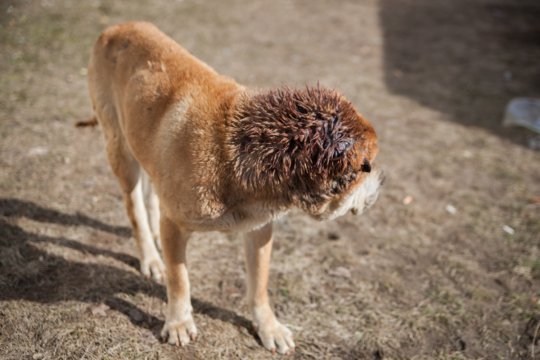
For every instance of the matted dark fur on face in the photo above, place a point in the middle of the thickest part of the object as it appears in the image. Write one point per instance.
(302, 145)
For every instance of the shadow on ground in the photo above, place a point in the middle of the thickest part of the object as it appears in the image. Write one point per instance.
(15, 208)
(464, 58)
(29, 273)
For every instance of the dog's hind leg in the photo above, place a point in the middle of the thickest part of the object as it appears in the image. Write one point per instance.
(258, 247)
(124, 165)
(128, 171)
(151, 264)
(152, 206)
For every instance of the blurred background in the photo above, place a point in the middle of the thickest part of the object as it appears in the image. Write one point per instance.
(445, 266)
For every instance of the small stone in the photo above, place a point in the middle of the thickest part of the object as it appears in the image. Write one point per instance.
(407, 200)
(523, 112)
(38, 151)
(451, 209)
(340, 271)
(507, 229)
(99, 310)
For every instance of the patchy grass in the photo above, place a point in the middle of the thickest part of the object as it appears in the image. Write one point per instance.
(403, 282)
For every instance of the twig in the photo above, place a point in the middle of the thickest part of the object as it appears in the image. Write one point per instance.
(534, 338)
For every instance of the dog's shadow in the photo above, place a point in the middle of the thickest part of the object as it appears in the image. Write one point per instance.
(30, 273)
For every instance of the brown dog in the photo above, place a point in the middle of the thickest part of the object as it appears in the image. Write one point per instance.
(195, 151)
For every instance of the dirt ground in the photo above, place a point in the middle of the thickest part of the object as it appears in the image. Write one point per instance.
(445, 266)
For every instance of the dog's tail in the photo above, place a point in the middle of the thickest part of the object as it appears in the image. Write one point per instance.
(87, 123)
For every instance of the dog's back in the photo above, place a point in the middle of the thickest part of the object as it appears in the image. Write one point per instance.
(153, 99)
(136, 74)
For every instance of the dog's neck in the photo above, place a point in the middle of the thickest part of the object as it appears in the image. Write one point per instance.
(246, 174)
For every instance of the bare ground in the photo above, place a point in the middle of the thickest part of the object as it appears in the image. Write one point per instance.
(404, 281)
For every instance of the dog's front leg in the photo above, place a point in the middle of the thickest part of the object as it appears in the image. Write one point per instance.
(258, 247)
(179, 327)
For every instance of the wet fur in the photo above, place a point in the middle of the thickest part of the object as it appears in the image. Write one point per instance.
(303, 146)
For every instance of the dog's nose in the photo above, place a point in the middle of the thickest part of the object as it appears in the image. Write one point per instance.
(366, 166)
(354, 211)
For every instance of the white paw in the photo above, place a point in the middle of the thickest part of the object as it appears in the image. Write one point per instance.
(153, 267)
(179, 332)
(274, 336)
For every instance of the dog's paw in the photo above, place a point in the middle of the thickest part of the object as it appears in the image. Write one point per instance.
(179, 332)
(153, 268)
(275, 335)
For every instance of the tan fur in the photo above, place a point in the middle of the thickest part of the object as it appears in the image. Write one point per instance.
(169, 118)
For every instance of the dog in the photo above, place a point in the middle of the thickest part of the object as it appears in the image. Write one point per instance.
(195, 151)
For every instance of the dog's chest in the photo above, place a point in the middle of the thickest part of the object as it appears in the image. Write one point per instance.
(237, 219)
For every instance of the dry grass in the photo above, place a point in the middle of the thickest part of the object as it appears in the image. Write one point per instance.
(403, 282)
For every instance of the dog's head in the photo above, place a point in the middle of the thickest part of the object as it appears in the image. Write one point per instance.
(352, 179)
(310, 147)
